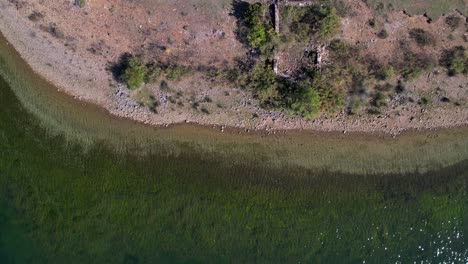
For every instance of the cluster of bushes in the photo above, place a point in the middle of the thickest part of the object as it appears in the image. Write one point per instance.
(369, 83)
(133, 71)
(320, 21)
(414, 65)
(455, 60)
(422, 37)
(255, 30)
(453, 21)
(307, 97)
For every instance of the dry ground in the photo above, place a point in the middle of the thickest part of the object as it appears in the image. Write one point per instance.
(202, 32)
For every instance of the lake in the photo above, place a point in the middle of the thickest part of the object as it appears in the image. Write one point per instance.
(80, 186)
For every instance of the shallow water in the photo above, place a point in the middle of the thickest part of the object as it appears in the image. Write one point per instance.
(79, 186)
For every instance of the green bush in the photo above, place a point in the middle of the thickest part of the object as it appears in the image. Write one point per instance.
(262, 81)
(383, 34)
(307, 22)
(355, 106)
(387, 72)
(253, 24)
(410, 73)
(458, 65)
(453, 21)
(342, 53)
(257, 36)
(332, 97)
(134, 73)
(175, 73)
(329, 24)
(153, 73)
(380, 100)
(424, 100)
(253, 14)
(422, 37)
(455, 60)
(414, 64)
(80, 3)
(301, 98)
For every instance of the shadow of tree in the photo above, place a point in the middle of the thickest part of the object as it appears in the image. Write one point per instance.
(239, 8)
(118, 68)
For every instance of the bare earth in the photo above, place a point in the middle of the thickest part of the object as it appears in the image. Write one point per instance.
(73, 47)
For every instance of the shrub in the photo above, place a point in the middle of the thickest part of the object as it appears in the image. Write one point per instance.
(195, 105)
(424, 100)
(355, 106)
(400, 88)
(455, 60)
(164, 86)
(207, 99)
(253, 26)
(414, 64)
(257, 36)
(134, 73)
(152, 73)
(252, 16)
(80, 3)
(35, 16)
(422, 37)
(262, 81)
(458, 65)
(329, 24)
(314, 19)
(175, 73)
(382, 34)
(145, 98)
(332, 93)
(453, 21)
(373, 111)
(301, 98)
(342, 53)
(410, 73)
(380, 100)
(387, 72)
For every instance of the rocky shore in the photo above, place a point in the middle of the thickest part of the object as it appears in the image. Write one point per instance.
(85, 76)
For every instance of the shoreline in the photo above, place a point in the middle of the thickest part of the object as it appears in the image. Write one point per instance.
(87, 124)
(91, 84)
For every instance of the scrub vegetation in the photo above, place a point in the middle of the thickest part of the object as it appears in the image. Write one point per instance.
(433, 8)
(134, 72)
(455, 60)
(328, 72)
(307, 95)
(80, 3)
(305, 22)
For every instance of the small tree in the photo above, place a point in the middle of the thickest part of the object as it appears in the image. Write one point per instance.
(80, 3)
(455, 60)
(422, 37)
(262, 80)
(329, 24)
(134, 74)
(302, 98)
(257, 36)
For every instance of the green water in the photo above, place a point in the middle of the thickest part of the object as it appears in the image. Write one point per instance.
(78, 186)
